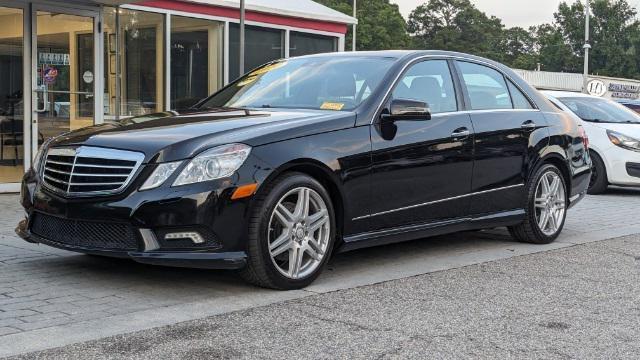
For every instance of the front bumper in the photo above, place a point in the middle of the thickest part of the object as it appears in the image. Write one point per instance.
(622, 166)
(148, 216)
(197, 260)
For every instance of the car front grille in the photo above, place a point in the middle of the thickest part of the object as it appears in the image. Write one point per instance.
(86, 171)
(85, 234)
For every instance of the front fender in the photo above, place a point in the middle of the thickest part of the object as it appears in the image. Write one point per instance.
(341, 158)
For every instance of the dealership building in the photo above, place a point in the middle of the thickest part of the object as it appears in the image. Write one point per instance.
(608, 87)
(69, 64)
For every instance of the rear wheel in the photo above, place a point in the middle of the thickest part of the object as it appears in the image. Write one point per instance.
(599, 180)
(546, 208)
(291, 233)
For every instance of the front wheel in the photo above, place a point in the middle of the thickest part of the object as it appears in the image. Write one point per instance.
(291, 233)
(599, 181)
(546, 209)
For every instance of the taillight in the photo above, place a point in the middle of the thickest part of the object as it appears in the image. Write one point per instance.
(585, 138)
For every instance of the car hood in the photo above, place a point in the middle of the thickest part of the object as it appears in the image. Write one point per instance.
(632, 130)
(174, 135)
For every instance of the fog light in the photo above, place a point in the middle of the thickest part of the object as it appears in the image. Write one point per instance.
(193, 236)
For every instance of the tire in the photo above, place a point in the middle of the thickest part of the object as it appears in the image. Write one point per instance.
(268, 264)
(531, 230)
(599, 180)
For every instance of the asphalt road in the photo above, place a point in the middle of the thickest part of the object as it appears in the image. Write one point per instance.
(578, 302)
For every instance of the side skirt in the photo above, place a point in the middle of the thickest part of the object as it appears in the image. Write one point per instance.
(418, 231)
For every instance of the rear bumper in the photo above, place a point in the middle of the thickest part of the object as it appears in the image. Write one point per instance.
(199, 260)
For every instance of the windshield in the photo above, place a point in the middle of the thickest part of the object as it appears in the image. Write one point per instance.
(326, 83)
(600, 110)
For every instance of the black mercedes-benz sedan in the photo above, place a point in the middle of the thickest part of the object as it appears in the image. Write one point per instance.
(309, 156)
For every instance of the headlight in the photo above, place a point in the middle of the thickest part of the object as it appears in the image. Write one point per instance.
(160, 175)
(624, 141)
(217, 163)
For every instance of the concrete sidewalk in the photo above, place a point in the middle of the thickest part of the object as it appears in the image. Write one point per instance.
(51, 298)
(579, 302)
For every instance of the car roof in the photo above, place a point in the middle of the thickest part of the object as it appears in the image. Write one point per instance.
(397, 54)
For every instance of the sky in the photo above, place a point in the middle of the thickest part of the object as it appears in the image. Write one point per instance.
(522, 13)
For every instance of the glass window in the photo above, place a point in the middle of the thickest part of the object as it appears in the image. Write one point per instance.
(305, 44)
(65, 77)
(135, 62)
(519, 100)
(600, 110)
(429, 82)
(196, 60)
(262, 45)
(486, 87)
(326, 83)
(12, 137)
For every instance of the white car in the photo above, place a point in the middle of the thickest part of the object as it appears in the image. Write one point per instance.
(614, 136)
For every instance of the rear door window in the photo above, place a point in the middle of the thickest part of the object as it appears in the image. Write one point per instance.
(486, 87)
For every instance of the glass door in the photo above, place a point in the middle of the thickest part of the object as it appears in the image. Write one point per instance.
(64, 72)
(12, 96)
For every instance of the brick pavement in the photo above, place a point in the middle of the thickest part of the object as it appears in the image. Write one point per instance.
(41, 287)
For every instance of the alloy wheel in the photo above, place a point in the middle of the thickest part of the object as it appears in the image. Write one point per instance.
(550, 203)
(299, 233)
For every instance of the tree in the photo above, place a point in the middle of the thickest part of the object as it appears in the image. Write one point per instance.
(615, 31)
(554, 53)
(380, 24)
(518, 47)
(456, 25)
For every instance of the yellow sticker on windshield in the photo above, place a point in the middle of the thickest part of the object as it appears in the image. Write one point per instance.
(250, 79)
(265, 69)
(332, 106)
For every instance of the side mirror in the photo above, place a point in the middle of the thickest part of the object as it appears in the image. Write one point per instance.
(407, 110)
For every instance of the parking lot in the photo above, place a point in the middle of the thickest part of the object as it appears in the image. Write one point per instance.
(43, 290)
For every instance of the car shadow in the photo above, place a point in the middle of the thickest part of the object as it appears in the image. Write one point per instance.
(104, 274)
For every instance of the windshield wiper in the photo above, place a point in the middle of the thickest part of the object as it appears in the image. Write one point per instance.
(225, 108)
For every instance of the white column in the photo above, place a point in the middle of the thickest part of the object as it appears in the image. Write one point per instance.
(287, 43)
(167, 62)
(225, 54)
(98, 77)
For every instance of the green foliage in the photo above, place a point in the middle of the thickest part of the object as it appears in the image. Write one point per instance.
(457, 25)
(380, 24)
(454, 25)
(614, 27)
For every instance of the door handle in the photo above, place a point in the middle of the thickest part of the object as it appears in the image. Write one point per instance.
(529, 125)
(461, 133)
(44, 101)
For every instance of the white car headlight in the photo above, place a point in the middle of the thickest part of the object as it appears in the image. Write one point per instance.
(624, 141)
(217, 163)
(160, 175)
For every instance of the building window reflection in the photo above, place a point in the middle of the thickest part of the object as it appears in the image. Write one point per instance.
(262, 45)
(196, 60)
(134, 65)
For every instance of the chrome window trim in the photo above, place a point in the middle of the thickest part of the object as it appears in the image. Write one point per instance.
(96, 153)
(457, 58)
(437, 202)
